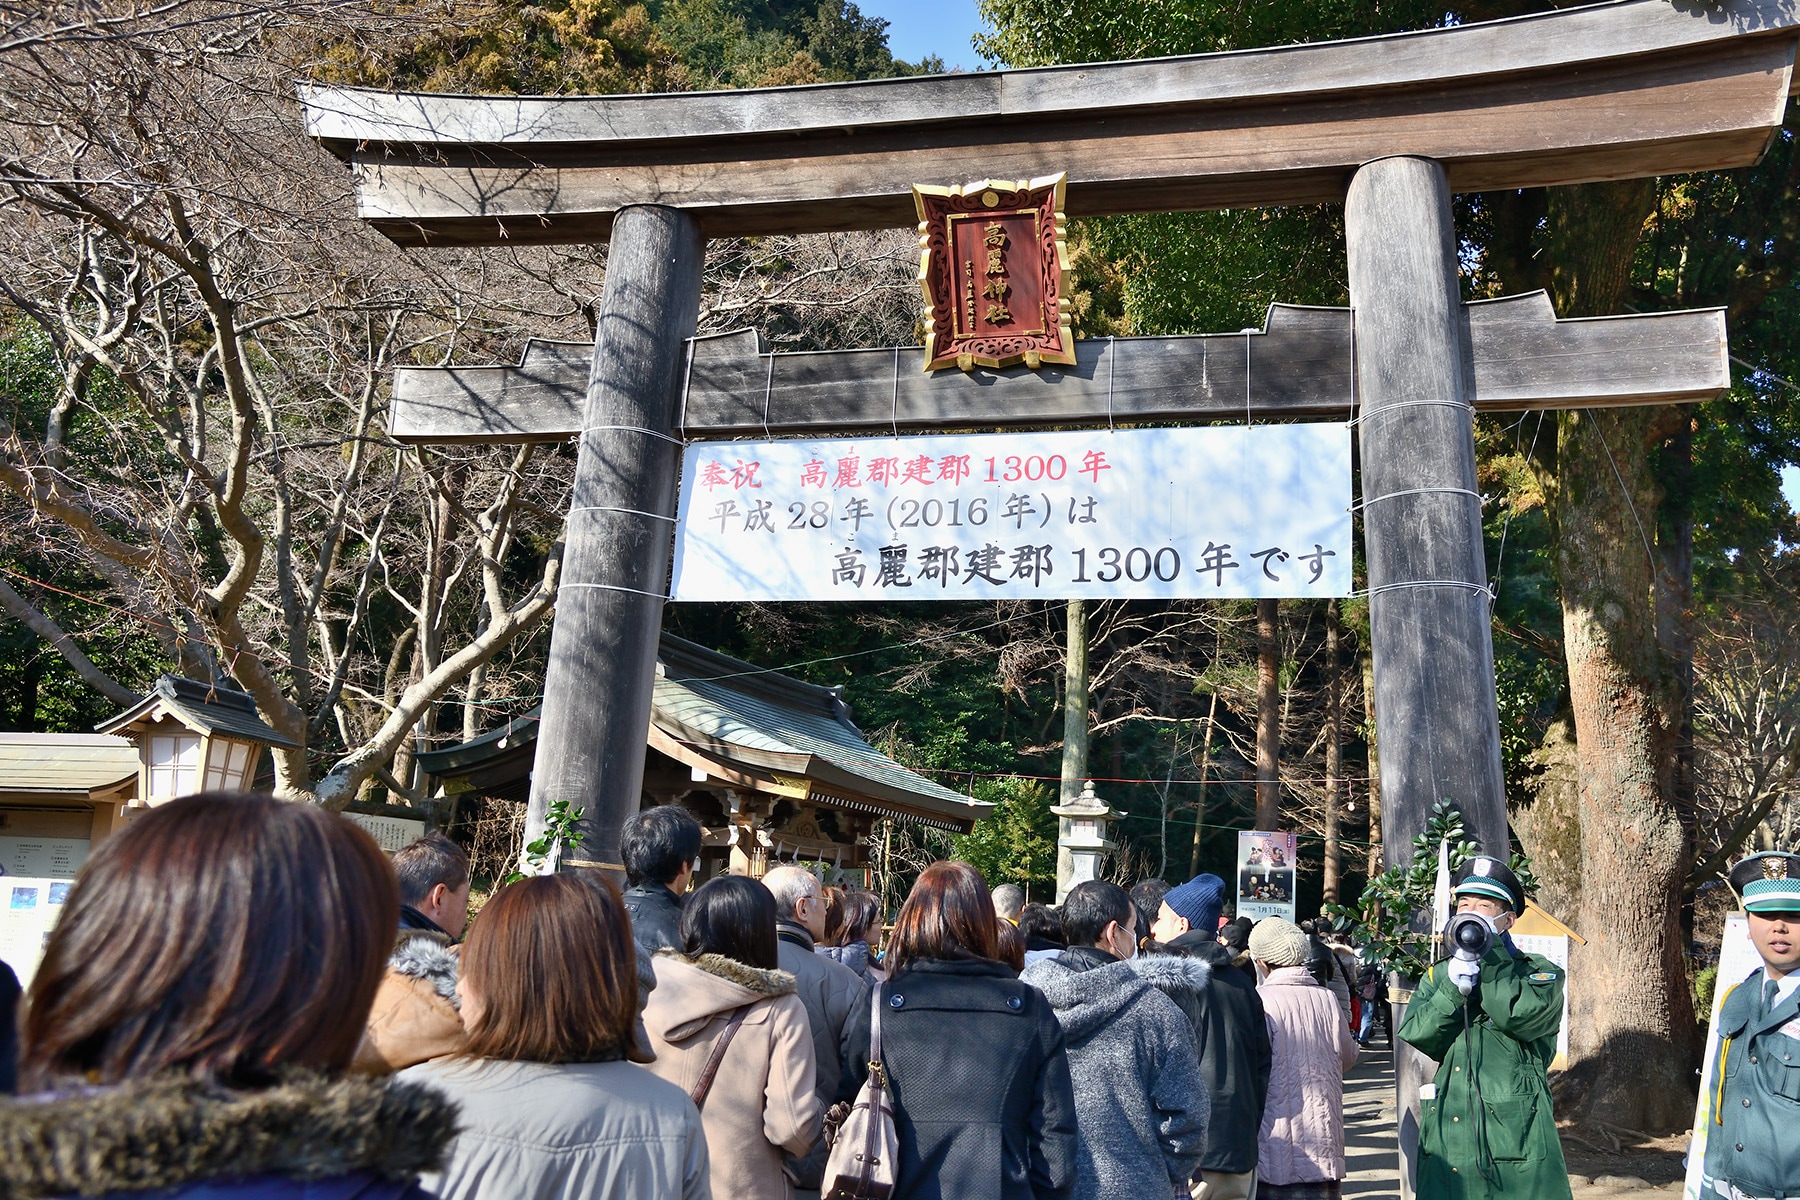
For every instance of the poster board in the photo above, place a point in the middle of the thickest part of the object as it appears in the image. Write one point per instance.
(1265, 874)
(1221, 511)
(1738, 959)
(390, 833)
(29, 908)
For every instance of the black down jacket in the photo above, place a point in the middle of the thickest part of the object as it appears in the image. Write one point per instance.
(1235, 1057)
(980, 1083)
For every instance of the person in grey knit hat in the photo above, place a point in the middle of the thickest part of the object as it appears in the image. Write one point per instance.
(1141, 1104)
(1300, 1151)
(1278, 943)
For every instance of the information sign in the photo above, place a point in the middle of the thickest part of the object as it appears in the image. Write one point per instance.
(1224, 511)
(1265, 874)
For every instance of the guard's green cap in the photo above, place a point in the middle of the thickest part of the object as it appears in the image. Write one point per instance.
(1484, 875)
(1768, 883)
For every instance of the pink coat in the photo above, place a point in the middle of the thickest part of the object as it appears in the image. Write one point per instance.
(1302, 1137)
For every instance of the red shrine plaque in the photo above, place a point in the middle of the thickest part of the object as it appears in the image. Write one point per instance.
(991, 269)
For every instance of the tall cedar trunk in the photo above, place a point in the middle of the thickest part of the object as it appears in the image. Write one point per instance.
(1212, 712)
(1631, 1018)
(1075, 735)
(1675, 617)
(1268, 714)
(1334, 721)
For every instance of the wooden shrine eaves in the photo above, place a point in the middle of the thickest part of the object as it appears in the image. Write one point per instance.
(1609, 91)
(1523, 356)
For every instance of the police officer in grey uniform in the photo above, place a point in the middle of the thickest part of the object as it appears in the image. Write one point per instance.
(1753, 1145)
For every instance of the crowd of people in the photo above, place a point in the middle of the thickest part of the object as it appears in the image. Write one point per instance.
(245, 998)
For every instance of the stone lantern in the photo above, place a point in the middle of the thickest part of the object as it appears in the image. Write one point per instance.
(1083, 825)
(194, 737)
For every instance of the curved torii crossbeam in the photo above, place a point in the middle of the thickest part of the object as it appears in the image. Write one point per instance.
(1608, 91)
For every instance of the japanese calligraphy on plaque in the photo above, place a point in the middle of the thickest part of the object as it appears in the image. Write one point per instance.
(991, 265)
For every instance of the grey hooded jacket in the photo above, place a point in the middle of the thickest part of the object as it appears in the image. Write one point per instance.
(1140, 1102)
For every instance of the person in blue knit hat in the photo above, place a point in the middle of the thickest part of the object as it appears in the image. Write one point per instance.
(1231, 1033)
(1751, 1147)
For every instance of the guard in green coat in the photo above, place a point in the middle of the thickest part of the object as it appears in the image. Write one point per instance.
(1485, 1123)
(1753, 1138)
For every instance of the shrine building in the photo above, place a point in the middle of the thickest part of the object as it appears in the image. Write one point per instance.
(774, 768)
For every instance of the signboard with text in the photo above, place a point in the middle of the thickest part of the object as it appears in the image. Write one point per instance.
(1225, 511)
(1265, 874)
(991, 267)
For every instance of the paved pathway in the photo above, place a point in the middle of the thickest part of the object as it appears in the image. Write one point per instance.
(1371, 1153)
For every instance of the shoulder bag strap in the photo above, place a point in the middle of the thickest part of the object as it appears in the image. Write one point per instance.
(875, 1030)
(717, 1056)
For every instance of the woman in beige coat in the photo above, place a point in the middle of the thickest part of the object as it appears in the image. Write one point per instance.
(759, 1102)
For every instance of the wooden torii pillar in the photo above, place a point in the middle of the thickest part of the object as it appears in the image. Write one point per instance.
(1391, 126)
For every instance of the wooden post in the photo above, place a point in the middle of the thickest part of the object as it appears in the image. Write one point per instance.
(616, 549)
(1075, 738)
(1435, 705)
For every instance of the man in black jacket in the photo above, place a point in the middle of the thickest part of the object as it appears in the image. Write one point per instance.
(659, 847)
(1232, 1036)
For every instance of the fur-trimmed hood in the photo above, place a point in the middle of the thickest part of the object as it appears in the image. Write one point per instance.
(692, 991)
(1087, 998)
(173, 1132)
(429, 957)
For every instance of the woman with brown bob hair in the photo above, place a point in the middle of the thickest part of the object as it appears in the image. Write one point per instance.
(858, 935)
(975, 1060)
(551, 1107)
(198, 1003)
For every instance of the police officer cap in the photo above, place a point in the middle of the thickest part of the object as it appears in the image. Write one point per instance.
(1486, 876)
(1769, 882)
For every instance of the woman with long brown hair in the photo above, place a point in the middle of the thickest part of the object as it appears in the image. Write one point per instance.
(974, 1058)
(198, 1004)
(551, 1107)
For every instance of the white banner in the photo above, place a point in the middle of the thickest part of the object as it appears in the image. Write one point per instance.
(1140, 513)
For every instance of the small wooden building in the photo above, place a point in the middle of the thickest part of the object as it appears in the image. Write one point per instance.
(59, 794)
(774, 768)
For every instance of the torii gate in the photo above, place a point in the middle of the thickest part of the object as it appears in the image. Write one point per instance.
(1389, 126)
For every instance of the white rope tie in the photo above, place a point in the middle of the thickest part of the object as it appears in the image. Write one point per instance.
(1247, 420)
(1424, 491)
(1367, 413)
(631, 511)
(894, 416)
(673, 441)
(687, 382)
(613, 587)
(1112, 370)
(768, 391)
(1485, 589)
